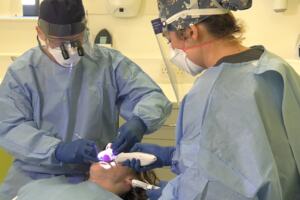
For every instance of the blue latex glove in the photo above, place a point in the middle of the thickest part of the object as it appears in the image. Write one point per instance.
(129, 133)
(156, 193)
(163, 154)
(81, 151)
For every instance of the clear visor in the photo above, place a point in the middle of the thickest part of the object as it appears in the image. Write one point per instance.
(180, 81)
(65, 30)
(55, 42)
(68, 45)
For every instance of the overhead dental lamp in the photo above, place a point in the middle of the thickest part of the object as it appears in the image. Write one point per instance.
(123, 8)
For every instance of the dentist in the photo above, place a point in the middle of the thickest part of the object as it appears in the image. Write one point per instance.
(61, 101)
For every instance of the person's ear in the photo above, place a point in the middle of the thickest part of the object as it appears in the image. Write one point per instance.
(127, 183)
(40, 33)
(194, 32)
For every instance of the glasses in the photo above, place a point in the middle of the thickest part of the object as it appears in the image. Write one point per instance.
(54, 42)
(66, 43)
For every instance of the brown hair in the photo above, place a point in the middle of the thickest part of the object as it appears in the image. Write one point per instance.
(221, 26)
(139, 193)
(224, 26)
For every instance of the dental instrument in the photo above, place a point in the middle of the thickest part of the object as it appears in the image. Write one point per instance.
(108, 156)
(145, 158)
(143, 185)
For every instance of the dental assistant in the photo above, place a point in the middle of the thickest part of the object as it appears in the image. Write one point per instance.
(237, 135)
(61, 101)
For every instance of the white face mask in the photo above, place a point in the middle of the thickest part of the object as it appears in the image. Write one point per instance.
(180, 59)
(73, 54)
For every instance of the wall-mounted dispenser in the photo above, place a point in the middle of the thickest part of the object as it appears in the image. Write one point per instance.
(104, 38)
(280, 5)
(123, 8)
(298, 47)
(31, 7)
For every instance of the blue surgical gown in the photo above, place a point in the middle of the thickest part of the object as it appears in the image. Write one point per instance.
(59, 188)
(43, 104)
(238, 134)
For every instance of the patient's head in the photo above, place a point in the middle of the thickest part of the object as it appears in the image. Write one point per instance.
(117, 179)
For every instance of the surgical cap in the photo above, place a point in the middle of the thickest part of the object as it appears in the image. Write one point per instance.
(62, 17)
(168, 8)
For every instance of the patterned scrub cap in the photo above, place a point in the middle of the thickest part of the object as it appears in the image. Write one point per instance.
(179, 14)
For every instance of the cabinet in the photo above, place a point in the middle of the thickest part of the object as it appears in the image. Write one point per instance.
(6, 161)
(165, 136)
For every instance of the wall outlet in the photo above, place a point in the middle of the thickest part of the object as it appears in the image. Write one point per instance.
(164, 69)
(280, 5)
(298, 47)
(177, 70)
(179, 77)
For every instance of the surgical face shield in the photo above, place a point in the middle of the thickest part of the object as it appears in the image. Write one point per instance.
(180, 21)
(180, 81)
(60, 37)
(64, 45)
(88, 49)
(58, 30)
(67, 53)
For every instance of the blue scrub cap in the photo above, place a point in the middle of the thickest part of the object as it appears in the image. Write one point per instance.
(62, 12)
(62, 17)
(179, 14)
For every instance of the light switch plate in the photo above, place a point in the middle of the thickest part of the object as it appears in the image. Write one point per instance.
(297, 47)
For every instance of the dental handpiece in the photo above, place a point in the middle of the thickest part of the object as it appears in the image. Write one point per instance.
(108, 156)
(143, 185)
(145, 158)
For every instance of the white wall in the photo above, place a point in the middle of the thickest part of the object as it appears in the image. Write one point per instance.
(277, 31)
(134, 37)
